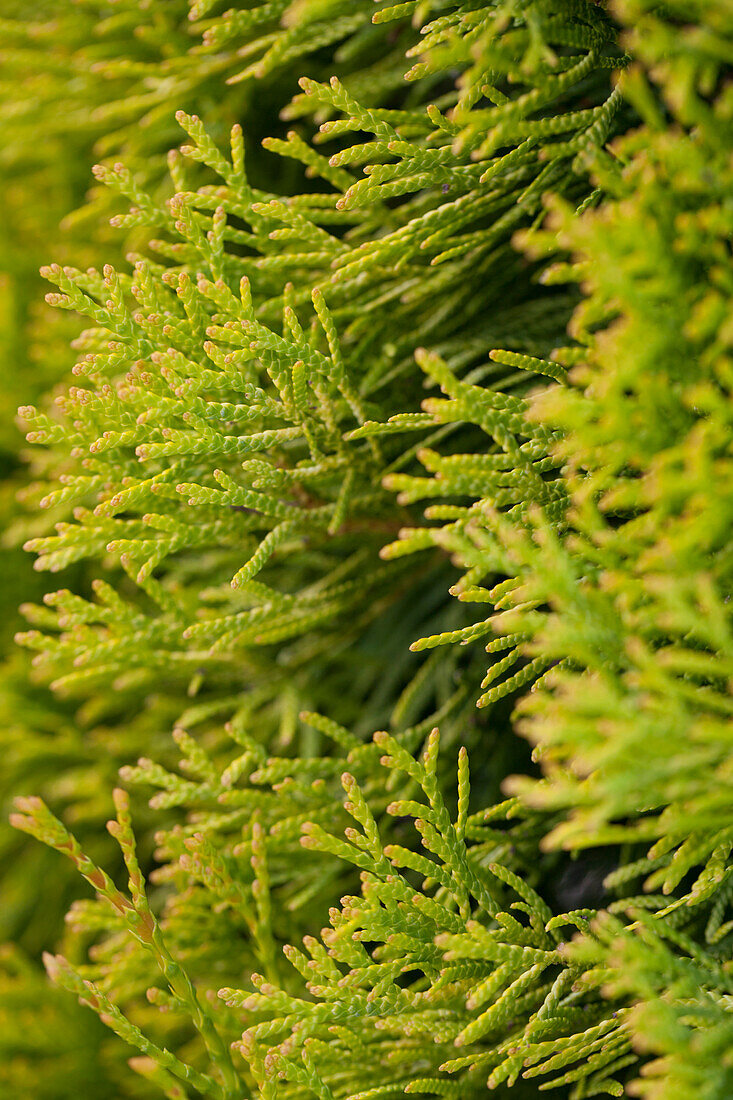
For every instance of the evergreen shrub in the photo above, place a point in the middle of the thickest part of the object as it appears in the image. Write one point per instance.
(390, 492)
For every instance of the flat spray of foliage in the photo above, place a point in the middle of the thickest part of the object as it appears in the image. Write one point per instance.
(396, 434)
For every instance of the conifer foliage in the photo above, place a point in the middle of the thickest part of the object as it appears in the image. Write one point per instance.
(400, 439)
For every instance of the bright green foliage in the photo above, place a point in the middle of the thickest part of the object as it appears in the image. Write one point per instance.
(482, 357)
(102, 81)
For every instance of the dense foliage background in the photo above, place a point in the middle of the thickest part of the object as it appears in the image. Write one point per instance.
(378, 426)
